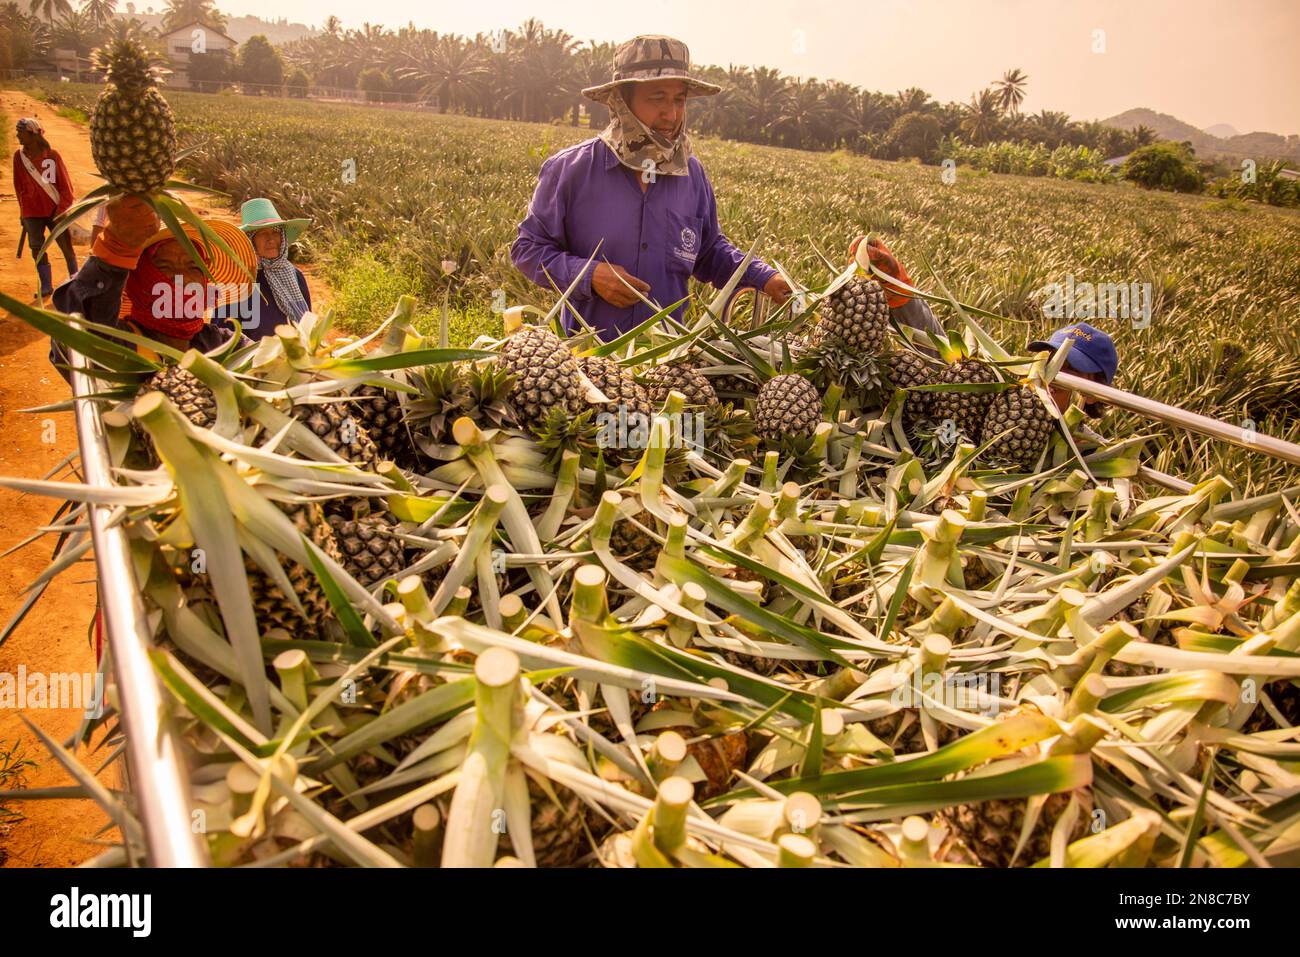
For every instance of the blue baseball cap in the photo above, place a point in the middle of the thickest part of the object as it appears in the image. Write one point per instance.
(1093, 350)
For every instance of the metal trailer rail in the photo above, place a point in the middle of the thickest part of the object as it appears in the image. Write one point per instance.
(1188, 421)
(157, 773)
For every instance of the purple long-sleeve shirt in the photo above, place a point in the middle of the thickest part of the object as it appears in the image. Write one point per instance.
(663, 236)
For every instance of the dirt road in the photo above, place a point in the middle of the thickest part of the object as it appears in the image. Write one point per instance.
(54, 638)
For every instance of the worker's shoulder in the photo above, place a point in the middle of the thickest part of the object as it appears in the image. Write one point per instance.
(577, 155)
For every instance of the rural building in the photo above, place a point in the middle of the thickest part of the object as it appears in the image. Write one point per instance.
(180, 44)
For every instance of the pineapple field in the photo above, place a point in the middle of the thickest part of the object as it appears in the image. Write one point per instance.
(396, 195)
(438, 584)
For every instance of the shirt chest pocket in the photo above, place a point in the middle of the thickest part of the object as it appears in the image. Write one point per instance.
(685, 237)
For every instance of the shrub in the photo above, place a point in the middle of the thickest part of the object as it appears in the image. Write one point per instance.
(1166, 165)
(297, 83)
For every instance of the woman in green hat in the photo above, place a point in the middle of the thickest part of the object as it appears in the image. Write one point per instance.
(281, 294)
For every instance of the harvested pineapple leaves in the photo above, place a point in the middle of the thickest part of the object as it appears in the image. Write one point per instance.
(668, 653)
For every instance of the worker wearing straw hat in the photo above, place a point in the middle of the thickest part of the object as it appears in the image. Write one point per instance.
(637, 198)
(281, 294)
(140, 279)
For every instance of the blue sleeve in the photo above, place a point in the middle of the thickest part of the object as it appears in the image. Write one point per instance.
(718, 256)
(540, 250)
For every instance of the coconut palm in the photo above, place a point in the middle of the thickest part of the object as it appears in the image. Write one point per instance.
(913, 100)
(47, 10)
(101, 12)
(982, 122)
(181, 12)
(592, 65)
(1143, 135)
(1011, 90)
(76, 31)
(1051, 127)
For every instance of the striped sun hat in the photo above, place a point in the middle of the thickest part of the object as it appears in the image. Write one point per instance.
(227, 271)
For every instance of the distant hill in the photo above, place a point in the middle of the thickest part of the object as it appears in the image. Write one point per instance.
(241, 28)
(1257, 145)
(1222, 130)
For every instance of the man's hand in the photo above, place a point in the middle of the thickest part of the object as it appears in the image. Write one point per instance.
(605, 282)
(778, 290)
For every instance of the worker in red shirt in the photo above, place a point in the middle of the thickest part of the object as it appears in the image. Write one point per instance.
(44, 191)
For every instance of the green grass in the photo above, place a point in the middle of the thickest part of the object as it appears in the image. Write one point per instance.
(430, 188)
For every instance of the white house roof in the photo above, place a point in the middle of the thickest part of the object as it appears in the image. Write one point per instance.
(185, 28)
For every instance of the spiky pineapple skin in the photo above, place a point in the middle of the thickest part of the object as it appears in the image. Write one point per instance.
(339, 426)
(857, 317)
(371, 546)
(990, 830)
(194, 399)
(907, 370)
(132, 130)
(379, 412)
(545, 376)
(787, 405)
(619, 386)
(966, 410)
(1030, 423)
(683, 378)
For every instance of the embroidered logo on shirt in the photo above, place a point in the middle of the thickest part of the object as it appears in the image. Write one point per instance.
(688, 239)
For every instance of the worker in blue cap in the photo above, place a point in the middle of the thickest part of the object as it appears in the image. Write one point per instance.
(1092, 356)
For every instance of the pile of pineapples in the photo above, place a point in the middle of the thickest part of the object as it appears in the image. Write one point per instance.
(413, 605)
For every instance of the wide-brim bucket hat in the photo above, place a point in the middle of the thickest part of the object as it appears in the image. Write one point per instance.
(233, 275)
(261, 213)
(647, 58)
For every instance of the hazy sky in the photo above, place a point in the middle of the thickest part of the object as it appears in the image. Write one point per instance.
(1231, 61)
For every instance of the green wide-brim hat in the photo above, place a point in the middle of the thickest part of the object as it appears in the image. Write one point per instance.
(261, 213)
(647, 58)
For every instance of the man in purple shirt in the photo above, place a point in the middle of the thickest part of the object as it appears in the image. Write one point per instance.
(638, 193)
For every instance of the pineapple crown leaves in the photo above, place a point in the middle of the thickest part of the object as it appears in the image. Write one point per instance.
(128, 64)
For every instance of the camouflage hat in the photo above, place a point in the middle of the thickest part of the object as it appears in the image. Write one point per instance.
(652, 58)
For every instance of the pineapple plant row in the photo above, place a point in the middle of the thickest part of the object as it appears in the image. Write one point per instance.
(447, 608)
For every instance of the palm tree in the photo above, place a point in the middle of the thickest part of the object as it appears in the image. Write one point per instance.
(764, 102)
(447, 68)
(48, 9)
(802, 122)
(181, 12)
(592, 66)
(101, 12)
(913, 100)
(983, 117)
(1051, 127)
(1143, 135)
(1011, 90)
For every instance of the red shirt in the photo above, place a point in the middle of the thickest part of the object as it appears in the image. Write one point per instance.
(33, 201)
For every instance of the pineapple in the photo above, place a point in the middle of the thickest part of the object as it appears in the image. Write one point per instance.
(1286, 698)
(337, 427)
(1031, 424)
(132, 132)
(546, 376)
(372, 549)
(379, 412)
(787, 406)
(991, 830)
(682, 378)
(633, 544)
(966, 410)
(194, 399)
(559, 826)
(270, 606)
(902, 732)
(906, 370)
(621, 389)
(449, 390)
(858, 318)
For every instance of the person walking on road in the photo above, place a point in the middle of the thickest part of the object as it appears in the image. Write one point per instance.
(44, 191)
